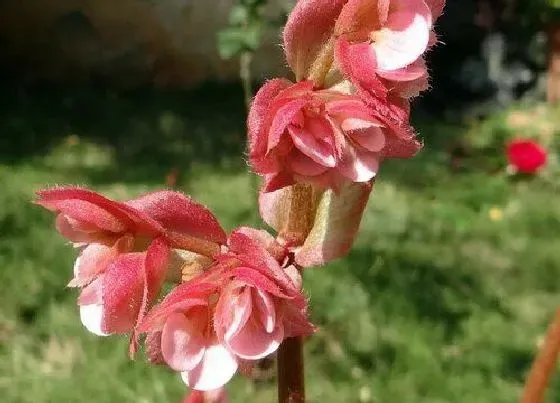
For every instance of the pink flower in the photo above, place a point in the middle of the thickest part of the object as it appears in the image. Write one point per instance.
(240, 308)
(260, 303)
(526, 156)
(181, 327)
(378, 44)
(126, 248)
(322, 137)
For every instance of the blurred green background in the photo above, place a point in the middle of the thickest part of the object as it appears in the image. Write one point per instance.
(445, 297)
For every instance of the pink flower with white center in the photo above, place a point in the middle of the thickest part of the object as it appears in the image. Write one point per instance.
(240, 308)
(378, 44)
(321, 137)
(261, 303)
(126, 248)
(181, 328)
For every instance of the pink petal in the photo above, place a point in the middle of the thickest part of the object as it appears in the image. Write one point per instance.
(216, 368)
(277, 181)
(303, 165)
(239, 311)
(258, 139)
(406, 37)
(308, 31)
(254, 255)
(182, 342)
(182, 298)
(253, 343)
(181, 215)
(414, 71)
(260, 336)
(284, 116)
(264, 305)
(359, 165)
(92, 318)
(153, 348)
(315, 149)
(360, 63)
(95, 258)
(372, 139)
(93, 209)
(123, 290)
(156, 260)
(336, 224)
(360, 17)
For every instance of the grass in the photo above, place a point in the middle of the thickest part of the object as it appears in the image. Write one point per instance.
(444, 298)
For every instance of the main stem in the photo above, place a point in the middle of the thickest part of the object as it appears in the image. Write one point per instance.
(291, 383)
(544, 365)
(299, 218)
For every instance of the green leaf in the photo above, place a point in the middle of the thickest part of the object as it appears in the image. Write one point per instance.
(236, 40)
(238, 15)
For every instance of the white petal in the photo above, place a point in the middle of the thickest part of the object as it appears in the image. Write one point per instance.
(216, 368)
(92, 318)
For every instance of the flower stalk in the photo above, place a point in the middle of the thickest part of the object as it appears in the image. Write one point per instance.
(290, 367)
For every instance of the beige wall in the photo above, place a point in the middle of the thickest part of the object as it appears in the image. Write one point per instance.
(170, 41)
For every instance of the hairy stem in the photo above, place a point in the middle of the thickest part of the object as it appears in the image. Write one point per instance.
(544, 365)
(291, 385)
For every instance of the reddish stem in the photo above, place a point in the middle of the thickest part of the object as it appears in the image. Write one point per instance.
(291, 384)
(544, 365)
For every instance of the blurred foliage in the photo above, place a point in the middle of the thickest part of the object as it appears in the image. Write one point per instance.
(247, 24)
(485, 140)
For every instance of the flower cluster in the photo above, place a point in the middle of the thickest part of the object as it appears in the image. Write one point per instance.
(357, 64)
(318, 144)
(239, 296)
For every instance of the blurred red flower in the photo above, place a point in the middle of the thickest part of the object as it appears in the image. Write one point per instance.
(526, 156)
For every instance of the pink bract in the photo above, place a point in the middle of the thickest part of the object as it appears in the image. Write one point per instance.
(321, 137)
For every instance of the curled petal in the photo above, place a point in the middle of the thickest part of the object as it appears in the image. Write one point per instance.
(182, 298)
(181, 215)
(92, 318)
(302, 165)
(359, 165)
(258, 114)
(95, 258)
(216, 368)
(372, 139)
(90, 208)
(182, 342)
(406, 37)
(317, 150)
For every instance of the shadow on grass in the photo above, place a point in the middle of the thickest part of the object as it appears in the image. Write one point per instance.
(445, 295)
(150, 131)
